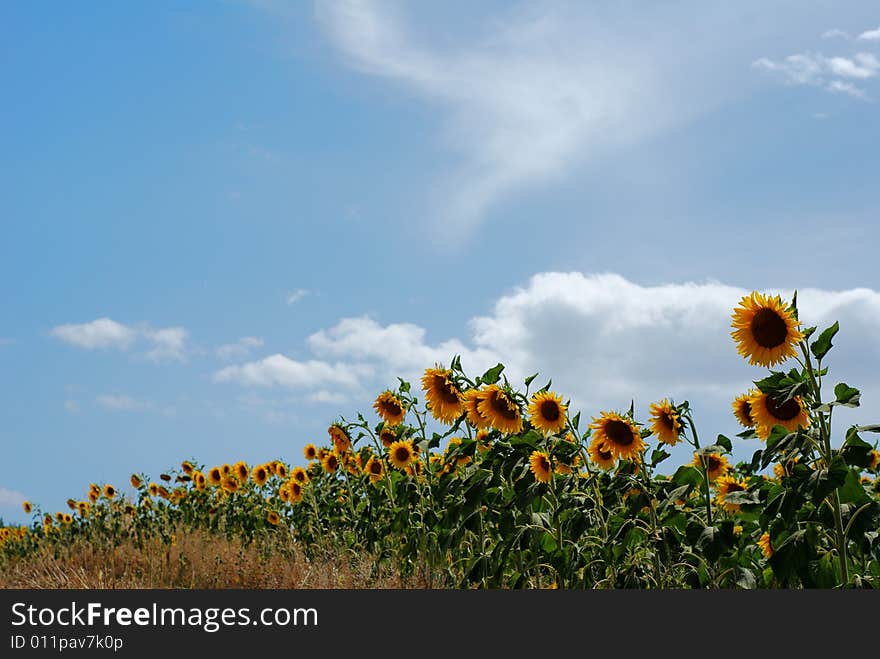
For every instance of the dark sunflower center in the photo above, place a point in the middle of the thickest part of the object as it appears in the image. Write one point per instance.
(550, 410)
(735, 487)
(402, 454)
(502, 405)
(376, 468)
(333, 463)
(544, 464)
(785, 412)
(605, 455)
(446, 389)
(619, 432)
(391, 408)
(769, 329)
(667, 420)
(746, 410)
(712, 463)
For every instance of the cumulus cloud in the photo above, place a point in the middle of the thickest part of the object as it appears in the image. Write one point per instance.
(240, 349)
(870, 35)
(280, 370)
(163, 344)
(10, 498)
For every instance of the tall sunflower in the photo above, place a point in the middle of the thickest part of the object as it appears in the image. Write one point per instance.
(273, 518)
(375, 469)
(109, 491)
(330, 463)
(620, 435)
(387, 435)
(471, 400)
(873, 460)
(199, 480)
(296, 492)
(715, 463)
(539, 463)
(215, 475)
(229, 484)
(136, 481)
(242, 471)
(600, 454)
(340, 438)
(390, 408)
(547, 412)
(299, 475)
(444, 398)
(666, 422)
(765, 329)
(27, 507)
(310, 452)
(401, 453)
(501, 410)
(724, 485)
(742, 409)
(766, 413)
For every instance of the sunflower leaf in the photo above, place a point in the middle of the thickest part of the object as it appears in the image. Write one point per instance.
(745, 579)
(846, 395)
(531, 379)
(725, 442)
(658, 455)
(822, 345)
(491, 376)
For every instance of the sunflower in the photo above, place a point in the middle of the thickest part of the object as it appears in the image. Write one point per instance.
(94, 495)
(452, 445)
(330, 463)
(284, 492)
(375, 469)
(59, 516)
(764, 544)
(765, 330)
(299, 475)
(241, 471)
(444, 398)
(471, 401)
(716, 465)
(310, 452)
(260, 475)
(341, 440)
(164, 493)
(767, 413)
(273, 518)
(296, 492)
(199, 480)
(387, 436)
(215, 475)
(67, 518)
(27, 507)
(742, 409)
(620, 435)
(401, 453)
(230, 484)
(136, 481)
(415, 468)
(484, 443)
(539, 463)
(187, 467)
(562, 469)
(225, 468)
(279, 468)
(547, 412)
(665, 422)
(389, 407)
(873, 460)
(601, 455)
(153, 489)
(724, 485)
(500, 409)
(109, 491)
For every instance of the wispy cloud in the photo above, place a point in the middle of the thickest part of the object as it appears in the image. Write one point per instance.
(10, 498)
(163, 344)
(870, 35)
(240, 349)
(71, 406)
(295, 296)
(122, 402)
(281, 370)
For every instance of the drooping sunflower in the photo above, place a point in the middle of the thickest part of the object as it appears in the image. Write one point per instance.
(260, 475)
(444, 398)
(619, 434)
(229, 484)
(330, 463)
(375, 469)
(666, 422)
(71, 503)
(601, 455)
(387, 436)
(164, 493)
(742, 409)
(339, 437)
(136, 481)
(299, 475)
(765, 329)
(27, 507)
(199, 480)
(273, 518)
(279, 469)
(767, 413)
(390, 408)
(501, 410)
(724, 485)
(241, 470)
(401, 453)
(715, 463)
(215, 475)
(764, 544)
(539, 463)
(109, 491)
(187, 467)
(471, 401)
(547, 412)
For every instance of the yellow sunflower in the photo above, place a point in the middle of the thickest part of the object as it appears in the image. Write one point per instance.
(83, 508)
(230, 484)
(310, 452)
(273, 518)
(484, 443)
(260, 475)
(27, 507)
(715, 463)
(390, 408)
(279, 468)
(665, 422)
(620, 435)
(67, 519)
(330, 463)
(501, 410)
(600, 454)
(339, 437)
(471, 401)
(444, 398)
(742, 409)
(136, 481)
(547, 412)
(767, 413)
(764, 544)
(109, 491)
(387, 436)
(874, 460)
(187, 467)
(401, 453)
(296, 492)
(375, 469)
(241, 471)
(765, 329)
(539, 463)
(199, 480)
(724, 485)
(215, 475)
(299, 475)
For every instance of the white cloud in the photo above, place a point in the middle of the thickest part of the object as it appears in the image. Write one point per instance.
(323, 396)
(169, 344)
(870, 35)
(840, 87)
(240, 349)
(124, 403)
(835, 34)
(99, 333)
(280, 370)
(295, 296)
(544, 88)
(71, 406)
(10, 498)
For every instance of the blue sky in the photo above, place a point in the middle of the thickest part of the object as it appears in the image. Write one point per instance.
(225, 223)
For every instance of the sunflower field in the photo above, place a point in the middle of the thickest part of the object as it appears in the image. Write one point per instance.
(477, 482)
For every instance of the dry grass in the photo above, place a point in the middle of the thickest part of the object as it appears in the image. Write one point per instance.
(195, 560)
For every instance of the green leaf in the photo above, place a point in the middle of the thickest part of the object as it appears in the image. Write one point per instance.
(822, 345)
(853, 491)
(823, 482)
(855, 451)
(711, 543)
(491, 376)
(745, 579)
(404, 385)
(725, 442)
(530, 379)
(687, 475)
(658, 455)
(846, 395)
